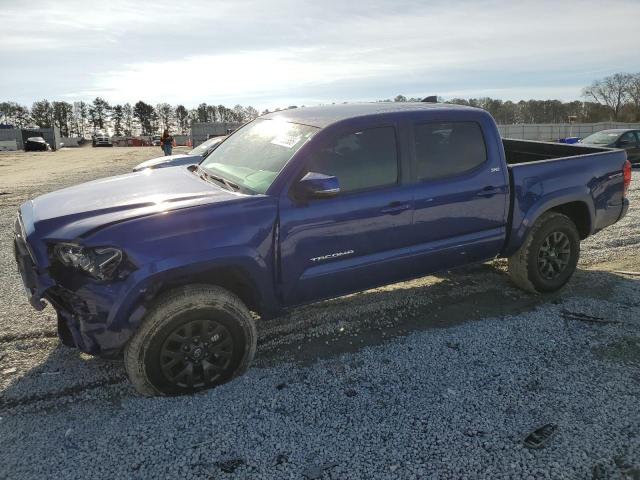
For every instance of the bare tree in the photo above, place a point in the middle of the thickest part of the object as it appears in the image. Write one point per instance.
(239, 113)
(193, 116)
(80, 116)
(251, 112)
(634, 93)
(611, 91)
(128, 119)
(13, 113)
(22, 117)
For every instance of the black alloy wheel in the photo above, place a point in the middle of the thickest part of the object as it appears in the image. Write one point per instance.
(554, 255)
(192, 338)
(548, 257)
(196, 354)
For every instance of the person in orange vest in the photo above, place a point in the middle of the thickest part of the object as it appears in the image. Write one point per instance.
(166, 142)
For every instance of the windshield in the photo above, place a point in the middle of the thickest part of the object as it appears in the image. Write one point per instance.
(204, 146)
(601, 138)
(254, 155)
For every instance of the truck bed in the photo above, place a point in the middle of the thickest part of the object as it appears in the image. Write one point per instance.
(525, 151)
(543, 175)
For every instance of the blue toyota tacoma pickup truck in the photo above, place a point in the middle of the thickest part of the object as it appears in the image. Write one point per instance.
(167, 265)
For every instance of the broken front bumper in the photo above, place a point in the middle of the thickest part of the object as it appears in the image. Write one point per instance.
(83, 311)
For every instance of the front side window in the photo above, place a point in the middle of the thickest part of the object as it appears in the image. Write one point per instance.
(361, 160)
(448, 149)
(254, 155)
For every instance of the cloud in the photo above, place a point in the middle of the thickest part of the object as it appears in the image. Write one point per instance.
(306, 51)
(229, 77)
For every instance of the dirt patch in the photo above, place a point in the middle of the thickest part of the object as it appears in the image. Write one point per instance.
(625, 350)
(70, 166)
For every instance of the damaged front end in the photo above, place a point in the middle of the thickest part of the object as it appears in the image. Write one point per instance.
(81, 283)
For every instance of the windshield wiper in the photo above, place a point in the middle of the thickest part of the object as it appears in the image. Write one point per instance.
(233, 186)
(208, 175)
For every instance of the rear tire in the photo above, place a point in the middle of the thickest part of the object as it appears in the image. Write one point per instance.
(196, 337)
(549, 255)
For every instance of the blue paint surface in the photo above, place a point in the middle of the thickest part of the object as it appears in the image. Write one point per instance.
(174, 227)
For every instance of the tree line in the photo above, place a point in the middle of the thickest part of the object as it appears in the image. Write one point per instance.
(616, 97)
(83, 118)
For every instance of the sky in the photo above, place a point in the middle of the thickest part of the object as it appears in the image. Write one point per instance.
(305, 52)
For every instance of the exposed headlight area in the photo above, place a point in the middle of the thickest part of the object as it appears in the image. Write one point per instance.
(100, 263)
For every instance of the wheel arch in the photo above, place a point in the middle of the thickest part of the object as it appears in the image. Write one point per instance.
(235, 279)
(576, 204)
(578, 213)
(250, 282)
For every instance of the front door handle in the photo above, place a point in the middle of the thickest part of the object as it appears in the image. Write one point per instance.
(395, 207)
(488, 192)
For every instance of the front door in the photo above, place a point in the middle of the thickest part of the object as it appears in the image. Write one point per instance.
(333, 246)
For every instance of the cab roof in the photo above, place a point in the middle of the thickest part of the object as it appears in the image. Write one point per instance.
(326, 115)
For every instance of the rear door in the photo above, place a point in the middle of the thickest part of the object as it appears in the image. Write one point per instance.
(347, 243)
(461, 193)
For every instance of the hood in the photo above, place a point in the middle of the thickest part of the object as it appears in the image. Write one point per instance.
(74, 211)
(169, 161)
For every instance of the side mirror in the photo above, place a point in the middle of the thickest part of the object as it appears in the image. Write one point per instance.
(318, 185)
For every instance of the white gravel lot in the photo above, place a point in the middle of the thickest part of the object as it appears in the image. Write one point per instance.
(441, 377)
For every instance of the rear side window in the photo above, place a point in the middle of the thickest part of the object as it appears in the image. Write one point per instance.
(361, 160)
(448, 149)
(629, 137)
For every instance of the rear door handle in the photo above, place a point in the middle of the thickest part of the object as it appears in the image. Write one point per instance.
(395, 207)
(487, 192)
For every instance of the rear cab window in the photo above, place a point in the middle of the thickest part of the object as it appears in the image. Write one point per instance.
(448, 149)
(361, 160)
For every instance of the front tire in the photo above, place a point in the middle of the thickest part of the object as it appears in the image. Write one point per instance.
(549, 255)
(196, 337)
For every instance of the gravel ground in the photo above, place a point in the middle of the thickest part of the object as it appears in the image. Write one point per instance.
(441, 377)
